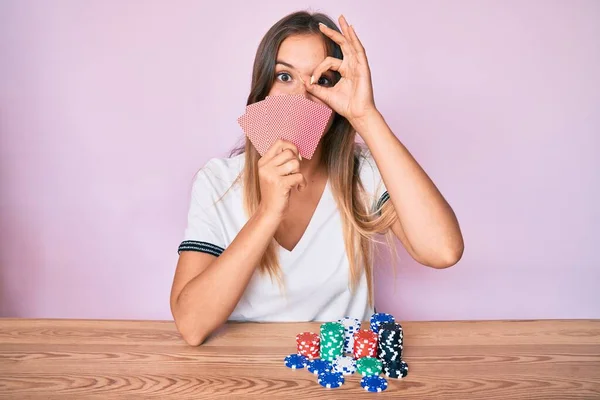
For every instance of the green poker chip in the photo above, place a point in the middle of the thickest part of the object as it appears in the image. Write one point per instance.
(367, 366)
(332, 340)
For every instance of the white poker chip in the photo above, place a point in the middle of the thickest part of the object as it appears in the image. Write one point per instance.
(345, 365)
(351, 326)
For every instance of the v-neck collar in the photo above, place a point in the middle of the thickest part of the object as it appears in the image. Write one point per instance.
(313, 224)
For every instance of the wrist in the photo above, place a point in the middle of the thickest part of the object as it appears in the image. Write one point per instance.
(373, 129)
(269, 217)
(363, 124)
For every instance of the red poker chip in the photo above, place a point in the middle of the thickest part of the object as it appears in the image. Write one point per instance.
(365, 344)
(307, 337)
(308, 344)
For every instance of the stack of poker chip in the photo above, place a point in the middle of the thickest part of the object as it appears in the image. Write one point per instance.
(319, 366)
(332, 340)
(351, 326)
(380, 318)
(395, 369)
(308, 344)
(373, 383)
(296, 361)
(365, 344)
(367, 366)
(331, 380)
(390, 342)
(389, 350)
(344, 365)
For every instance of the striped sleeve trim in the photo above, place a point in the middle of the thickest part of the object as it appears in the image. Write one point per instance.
(202, 247)
(384, 197)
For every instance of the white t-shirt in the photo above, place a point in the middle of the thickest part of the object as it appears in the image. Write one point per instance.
(315, 273)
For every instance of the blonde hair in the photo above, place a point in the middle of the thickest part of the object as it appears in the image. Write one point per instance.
(341, 156)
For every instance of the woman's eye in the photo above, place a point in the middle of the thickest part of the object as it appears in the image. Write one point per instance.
(283, 75)
(324, 81)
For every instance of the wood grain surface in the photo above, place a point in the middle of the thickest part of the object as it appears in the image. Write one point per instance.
(83, 359)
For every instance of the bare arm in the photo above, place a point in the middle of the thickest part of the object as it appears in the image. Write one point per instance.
(426, 225)
(206, 289)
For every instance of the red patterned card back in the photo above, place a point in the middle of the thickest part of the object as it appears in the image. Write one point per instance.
(291, 117)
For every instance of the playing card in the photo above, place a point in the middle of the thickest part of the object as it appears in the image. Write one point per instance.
(290, 117)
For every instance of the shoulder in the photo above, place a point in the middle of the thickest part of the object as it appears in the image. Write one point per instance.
(218, 175)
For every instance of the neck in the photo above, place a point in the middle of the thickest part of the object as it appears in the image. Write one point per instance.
(313, 167)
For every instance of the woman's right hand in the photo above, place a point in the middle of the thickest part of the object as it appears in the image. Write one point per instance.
(279, 173)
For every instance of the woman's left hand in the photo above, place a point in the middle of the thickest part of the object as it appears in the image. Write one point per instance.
(352, 96)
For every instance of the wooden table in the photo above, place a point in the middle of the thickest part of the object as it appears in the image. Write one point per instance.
(82, 359)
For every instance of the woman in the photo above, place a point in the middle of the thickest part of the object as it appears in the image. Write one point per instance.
(281, 238)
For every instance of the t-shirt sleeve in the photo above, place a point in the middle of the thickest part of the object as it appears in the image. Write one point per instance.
(371, 179)
(204, 231)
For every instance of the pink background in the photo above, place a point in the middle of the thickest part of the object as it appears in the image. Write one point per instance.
(107, 109)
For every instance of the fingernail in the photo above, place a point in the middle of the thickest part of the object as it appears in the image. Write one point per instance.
(322, 24)
(312, 78)
(300, 156)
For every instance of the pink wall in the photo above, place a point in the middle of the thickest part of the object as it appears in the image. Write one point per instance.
(108, 108)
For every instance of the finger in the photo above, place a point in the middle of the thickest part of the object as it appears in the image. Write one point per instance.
(321, 92)
(283, 157)
(344, 25)
(289, 168)
(360, 50)
(295, 180)
(351, 36)
(278, 147)
(336, 37)
(329, 63)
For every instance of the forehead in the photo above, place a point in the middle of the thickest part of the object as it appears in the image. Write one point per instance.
(304, 52)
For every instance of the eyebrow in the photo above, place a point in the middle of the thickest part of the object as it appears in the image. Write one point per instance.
(284, 63)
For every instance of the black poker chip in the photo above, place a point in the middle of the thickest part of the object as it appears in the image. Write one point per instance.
(390, 343)
(397, 370)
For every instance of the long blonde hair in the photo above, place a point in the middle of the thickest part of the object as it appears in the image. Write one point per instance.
(341, 157)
